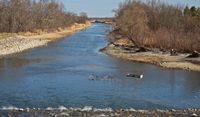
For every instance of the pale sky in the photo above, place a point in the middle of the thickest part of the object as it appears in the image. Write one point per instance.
(103, 8)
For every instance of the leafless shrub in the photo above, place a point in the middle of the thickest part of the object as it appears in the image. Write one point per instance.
(82, 17)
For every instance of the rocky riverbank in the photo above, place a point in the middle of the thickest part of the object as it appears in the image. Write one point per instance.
(19, 43)
(90, 112)
(155, 56)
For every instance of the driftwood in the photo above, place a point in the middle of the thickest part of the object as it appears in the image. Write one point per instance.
(194, 54)
(143, 49)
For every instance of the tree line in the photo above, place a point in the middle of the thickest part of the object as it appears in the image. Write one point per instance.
(158, 24)
(29, 15)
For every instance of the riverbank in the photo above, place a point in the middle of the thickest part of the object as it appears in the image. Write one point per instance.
(19, 43)
(155, 56)
(88, 112)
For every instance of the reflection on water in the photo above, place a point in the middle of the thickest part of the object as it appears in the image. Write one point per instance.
(55, 75)
(15, 62)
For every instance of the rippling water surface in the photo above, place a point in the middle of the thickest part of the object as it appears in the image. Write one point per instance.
(54, 76)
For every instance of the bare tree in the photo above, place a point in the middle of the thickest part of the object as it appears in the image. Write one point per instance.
(132, 24)
(30, 15)
(82, 17)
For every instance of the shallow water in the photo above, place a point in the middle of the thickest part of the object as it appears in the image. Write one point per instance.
(54, 76)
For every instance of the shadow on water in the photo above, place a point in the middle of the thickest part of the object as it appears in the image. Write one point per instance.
(55, 75)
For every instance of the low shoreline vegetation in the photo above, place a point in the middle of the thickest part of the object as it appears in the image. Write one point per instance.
(18, 16)
(158, 24)
(3, 36)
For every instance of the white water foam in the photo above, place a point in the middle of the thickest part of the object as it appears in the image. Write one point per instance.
(160, 110)
(10, 108)
(131, 109)
(65, 114)
(105, 109)
(49, 108)
(62, 108)
(87, 108)
(13, 108)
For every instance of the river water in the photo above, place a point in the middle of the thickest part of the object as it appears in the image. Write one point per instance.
(53, 76)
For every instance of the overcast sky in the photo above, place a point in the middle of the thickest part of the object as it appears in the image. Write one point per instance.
(103, 8)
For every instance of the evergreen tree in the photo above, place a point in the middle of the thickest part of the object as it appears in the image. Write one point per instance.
(193, 11)
(186, 11)
(198, 11)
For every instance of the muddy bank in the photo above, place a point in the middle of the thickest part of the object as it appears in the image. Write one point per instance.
(97, 112)
(19, 43)
(155, 56)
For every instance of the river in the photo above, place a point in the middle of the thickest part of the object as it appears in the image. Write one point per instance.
(53, 76)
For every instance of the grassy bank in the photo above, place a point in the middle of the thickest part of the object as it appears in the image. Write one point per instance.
(4, 36)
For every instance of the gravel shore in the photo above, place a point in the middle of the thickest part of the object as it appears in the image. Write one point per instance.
(69, 112)
(20, 43)
(155, 56)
